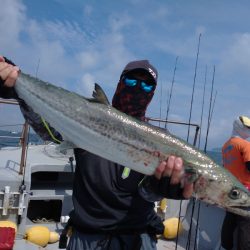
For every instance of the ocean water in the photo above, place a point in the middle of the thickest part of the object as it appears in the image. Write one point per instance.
(35, 139)
(10, 138)
(216, 156)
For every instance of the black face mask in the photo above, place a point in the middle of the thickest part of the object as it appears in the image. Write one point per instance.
(131, 100)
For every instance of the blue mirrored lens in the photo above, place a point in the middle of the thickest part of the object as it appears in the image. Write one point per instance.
(130, 82)
(146, 87)
(133, 82)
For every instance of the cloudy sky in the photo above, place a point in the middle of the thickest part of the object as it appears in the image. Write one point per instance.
(75, 43)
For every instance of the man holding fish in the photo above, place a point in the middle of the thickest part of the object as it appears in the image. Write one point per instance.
(113, 205)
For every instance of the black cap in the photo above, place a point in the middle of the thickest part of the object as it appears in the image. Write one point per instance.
(144, 65)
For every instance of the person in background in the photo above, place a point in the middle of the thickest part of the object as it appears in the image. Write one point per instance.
(113, 205)
(236, 158)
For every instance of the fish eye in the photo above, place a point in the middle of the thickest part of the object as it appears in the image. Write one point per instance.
(234, 194)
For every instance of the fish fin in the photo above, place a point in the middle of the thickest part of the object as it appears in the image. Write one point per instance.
(99, 95)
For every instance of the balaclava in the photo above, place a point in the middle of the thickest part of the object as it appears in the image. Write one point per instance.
(134, 101)
(241, 127)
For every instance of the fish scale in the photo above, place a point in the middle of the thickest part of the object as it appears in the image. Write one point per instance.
(94, 125)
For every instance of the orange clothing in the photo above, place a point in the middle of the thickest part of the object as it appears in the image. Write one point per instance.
(235, 152)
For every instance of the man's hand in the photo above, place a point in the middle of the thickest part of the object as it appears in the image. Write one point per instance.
(8, 73)
(173, 169)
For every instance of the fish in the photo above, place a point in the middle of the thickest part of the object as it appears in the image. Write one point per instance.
(94, 125)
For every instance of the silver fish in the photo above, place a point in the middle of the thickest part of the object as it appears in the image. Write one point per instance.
(94, 125)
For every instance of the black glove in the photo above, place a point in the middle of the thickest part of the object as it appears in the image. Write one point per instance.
(163, 187)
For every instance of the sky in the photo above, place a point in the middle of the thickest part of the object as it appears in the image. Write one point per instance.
(194, 45)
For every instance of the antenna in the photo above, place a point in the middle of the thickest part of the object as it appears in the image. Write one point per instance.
(160, 104)
(170, 94)
(209, 113)
(203, 98)
(205, 149)
(37, 67)
(190, 114)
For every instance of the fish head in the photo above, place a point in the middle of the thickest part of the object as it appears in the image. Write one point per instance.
(224, 191)
(237, 200)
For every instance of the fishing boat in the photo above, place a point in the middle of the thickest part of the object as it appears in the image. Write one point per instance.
(36, 189)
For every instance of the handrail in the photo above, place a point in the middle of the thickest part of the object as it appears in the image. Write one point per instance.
(24, 143)
(197, 127)
(9, 101)
(10, 137)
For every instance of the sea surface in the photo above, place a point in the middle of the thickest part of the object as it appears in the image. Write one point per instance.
(10, 138)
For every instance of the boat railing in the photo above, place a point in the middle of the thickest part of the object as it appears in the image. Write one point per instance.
(23, 139)
(165, 122)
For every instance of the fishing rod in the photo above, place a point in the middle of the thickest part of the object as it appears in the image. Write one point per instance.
(213, 108)
(171, 91)
(190, 115)
(191, 107)
(212, 111)
(202, 109)
(208, 128)
(37, 68)
(198, 213)
(209, 113)
(160, 102)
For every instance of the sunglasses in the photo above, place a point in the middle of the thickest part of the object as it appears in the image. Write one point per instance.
(132, 82)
